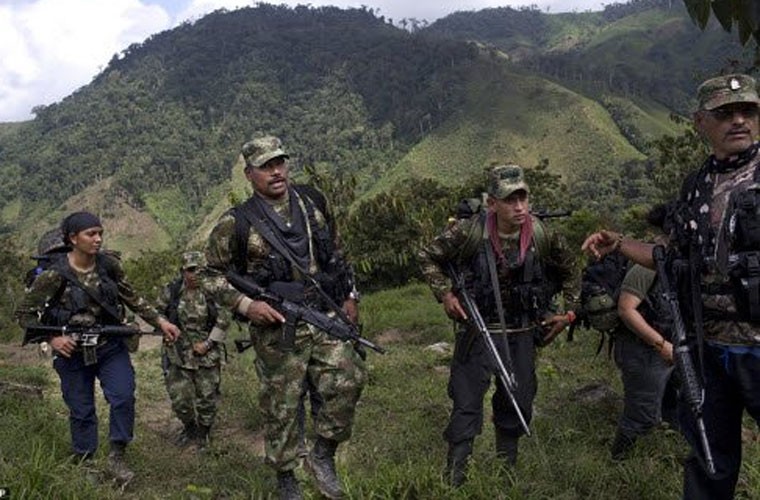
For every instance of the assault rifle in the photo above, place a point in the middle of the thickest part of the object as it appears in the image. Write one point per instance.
(508, 380)
(551, 214)
(694, 393)
(295, 312)
(84, 336)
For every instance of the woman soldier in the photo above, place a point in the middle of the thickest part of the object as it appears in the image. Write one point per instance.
(84, 288)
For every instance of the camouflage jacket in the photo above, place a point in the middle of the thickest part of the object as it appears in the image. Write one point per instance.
(51, 289)
(459, 242)
(712, 219)
(192, 314)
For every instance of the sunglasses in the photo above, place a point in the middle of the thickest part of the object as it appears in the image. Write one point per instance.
(725, 113)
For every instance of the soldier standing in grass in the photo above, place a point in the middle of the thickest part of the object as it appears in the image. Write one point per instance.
(716, 242)
(283, 233)
(193, 362)
(530, 264)
(87, 287)
(644, 353)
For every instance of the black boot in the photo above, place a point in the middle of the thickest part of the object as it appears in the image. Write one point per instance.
(506, 446)
(203, 436)
(456, 462)
(287, 486)
(188, 435)
(622, 446)
(321, 464)
(117, 467)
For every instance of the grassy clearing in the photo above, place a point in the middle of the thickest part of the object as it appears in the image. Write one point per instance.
(396, 451)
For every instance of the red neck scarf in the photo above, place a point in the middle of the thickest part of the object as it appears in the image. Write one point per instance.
(526, 237)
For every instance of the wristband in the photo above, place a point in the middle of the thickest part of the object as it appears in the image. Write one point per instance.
(570, 317)
(208, 343)
(618, 242)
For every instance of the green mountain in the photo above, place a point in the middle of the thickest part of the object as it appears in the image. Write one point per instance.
(152, 142)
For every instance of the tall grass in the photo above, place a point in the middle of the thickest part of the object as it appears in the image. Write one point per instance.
(396, 450)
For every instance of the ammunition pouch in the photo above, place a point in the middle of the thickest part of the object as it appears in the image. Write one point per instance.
(744, 222)
(744, 271)
(530, 299)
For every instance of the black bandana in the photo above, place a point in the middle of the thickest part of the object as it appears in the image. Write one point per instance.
(293, 233)
(78, 221)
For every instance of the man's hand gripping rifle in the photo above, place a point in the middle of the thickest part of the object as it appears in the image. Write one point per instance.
(694, 393)
(84, 336)
(294, 312)
(508, 381)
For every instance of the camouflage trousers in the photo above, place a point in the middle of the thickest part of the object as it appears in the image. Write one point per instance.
(332, 366)
(194, 393)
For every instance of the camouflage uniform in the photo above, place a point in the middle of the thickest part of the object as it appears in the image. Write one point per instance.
(192, 380)
(333, 366)
(731, 355)
(463, 243)
(109, 361)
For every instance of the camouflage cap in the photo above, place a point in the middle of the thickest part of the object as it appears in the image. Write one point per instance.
(192, 260)
(259, 151)
(717, 92)
(505, 180)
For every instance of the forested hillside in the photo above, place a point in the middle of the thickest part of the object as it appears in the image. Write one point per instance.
(367, 107)
(642, 49)
(166, 117)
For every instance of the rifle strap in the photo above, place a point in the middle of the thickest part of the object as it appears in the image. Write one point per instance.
(491, 258)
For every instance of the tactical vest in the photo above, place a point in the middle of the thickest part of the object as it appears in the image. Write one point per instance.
(80, 301)
(740, 238)
(526, 290)
(334, 275)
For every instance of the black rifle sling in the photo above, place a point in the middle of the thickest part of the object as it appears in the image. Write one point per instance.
(254, 218)
(66, 273)
(491, 258)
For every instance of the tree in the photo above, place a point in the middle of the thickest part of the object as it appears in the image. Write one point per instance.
(745, 14)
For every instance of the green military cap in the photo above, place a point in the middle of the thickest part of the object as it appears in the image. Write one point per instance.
(260, 150)
(193, 260)
(717, 92)
(505, 180)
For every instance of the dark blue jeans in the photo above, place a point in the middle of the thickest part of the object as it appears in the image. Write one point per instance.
(117, 379)
(732, 384)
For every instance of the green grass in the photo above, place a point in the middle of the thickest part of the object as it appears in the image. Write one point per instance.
(396, 451)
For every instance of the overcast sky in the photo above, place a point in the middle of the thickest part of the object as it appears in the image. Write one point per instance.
(50, 48)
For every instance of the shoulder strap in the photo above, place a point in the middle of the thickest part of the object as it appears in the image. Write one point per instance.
(491, 258)
(314, 196)
(540, 237)
(171, 308)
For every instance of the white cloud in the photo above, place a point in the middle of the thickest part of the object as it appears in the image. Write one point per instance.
(48, 48)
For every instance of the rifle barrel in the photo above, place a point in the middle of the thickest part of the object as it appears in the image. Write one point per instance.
(507, 379)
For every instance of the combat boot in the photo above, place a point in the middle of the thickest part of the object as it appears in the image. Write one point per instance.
(117, 467)
(203, 436)
(506, 446)
(187, 436)
(456, 462)
(287, 486)
(321, 464)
